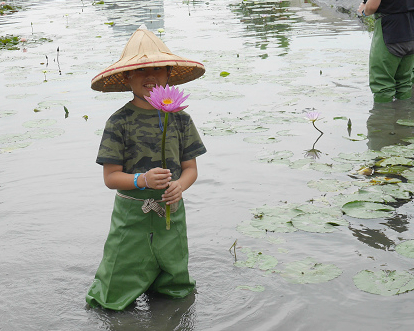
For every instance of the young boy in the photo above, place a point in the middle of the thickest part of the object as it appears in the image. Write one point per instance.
(140, 254)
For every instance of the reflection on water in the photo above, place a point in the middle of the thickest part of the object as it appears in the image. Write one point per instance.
(150, 312)
(314, 153)
(383, 129)
(127, 19)
(266, 21)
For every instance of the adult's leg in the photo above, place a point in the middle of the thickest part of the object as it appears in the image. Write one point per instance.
(382, 67)
(403, 78)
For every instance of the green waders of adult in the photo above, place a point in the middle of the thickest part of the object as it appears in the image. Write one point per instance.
(140, 254)
(389, 75)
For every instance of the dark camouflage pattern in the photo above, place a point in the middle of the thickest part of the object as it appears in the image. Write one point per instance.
(132, 138)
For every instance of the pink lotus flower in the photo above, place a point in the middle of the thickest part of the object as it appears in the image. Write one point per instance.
(312, 116)
(168, 99)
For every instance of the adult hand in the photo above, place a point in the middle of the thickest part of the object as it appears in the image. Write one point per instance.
(361, 8)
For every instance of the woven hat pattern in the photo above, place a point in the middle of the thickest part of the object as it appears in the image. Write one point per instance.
(145, 49)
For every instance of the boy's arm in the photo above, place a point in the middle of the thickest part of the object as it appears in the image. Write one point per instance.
(115, 178)
(188, 177)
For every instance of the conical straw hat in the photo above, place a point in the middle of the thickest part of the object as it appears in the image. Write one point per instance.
(145, 49)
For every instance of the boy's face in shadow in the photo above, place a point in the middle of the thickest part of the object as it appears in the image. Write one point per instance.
(143, 80)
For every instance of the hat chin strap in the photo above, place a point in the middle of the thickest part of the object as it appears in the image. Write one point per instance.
(143, 99)
(137, 96)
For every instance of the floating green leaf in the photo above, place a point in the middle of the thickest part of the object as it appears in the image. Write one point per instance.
(371, 195)
(405, 122)
(256, 259)
(367, 210)
(396, 160)
(261, 140)
(331, 168)
(408, 174)
(250, 128)
(287, 210)
(391, 170)
(247, 229)
(329, 185)
(275, 157)
(384, 282)
(224, 74)
(39, 123)
(257, 288)
(279, 224)
(320, 223)
(406, 248)
(359, 137)
(308, 271)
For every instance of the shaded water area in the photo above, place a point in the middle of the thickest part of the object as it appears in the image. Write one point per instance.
(283, 59)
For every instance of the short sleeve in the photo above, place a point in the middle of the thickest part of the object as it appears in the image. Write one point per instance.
(111, 149)
(192, 145)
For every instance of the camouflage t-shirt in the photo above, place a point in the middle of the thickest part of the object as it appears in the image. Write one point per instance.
(132, 138)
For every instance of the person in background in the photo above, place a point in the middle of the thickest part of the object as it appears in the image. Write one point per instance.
(391, 59)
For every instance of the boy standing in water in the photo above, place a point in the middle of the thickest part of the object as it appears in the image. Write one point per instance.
(140, 254)
(391, 58)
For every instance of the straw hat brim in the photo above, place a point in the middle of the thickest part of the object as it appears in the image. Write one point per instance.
(144, 49)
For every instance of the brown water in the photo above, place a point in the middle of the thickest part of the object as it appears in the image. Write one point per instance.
(55, 209)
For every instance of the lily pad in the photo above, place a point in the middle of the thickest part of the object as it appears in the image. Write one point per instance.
(329, 185)
(308, 271)
(257, 288)
(247, 229)
(320, 223)
(392, 170)
(250, 128)
(279, 224)
(396, 160)
(275, 157)
(39, 123)
(364, 195)
(406, 248)
(256, 259)
(384, 282)
(408, 174)
(367, 210)
(359, 137)
(405, 122)
(287, 210)
(261, 140)
(331, 168)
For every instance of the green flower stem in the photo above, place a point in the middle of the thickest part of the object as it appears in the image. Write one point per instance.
(164, 165)
(313, 122)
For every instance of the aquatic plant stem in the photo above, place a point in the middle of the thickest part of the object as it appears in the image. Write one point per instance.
(164, 165)
(313, 122)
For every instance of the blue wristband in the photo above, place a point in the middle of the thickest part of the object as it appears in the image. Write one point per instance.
(135, 182)
(363, 13)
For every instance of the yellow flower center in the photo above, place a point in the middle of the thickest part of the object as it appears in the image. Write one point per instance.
(167, 101)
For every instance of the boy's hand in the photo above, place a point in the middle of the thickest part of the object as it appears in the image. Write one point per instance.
(173, 194)
(158, 178)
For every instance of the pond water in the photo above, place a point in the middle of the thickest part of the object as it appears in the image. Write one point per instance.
(284, 59)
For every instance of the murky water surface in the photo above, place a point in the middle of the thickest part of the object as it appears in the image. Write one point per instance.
(284, 58)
